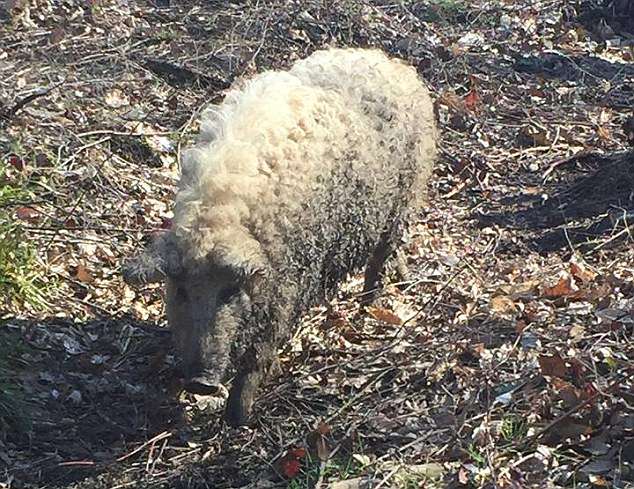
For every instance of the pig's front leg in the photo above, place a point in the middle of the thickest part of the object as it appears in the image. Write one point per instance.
(255, 364)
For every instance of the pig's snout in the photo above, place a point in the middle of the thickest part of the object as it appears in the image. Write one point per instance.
(205, 385)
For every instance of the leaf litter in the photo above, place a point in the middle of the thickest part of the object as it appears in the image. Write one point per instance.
(504, 359)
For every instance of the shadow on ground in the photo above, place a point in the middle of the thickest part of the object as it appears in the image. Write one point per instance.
(590, 200)
(591, 71)
(89, 393)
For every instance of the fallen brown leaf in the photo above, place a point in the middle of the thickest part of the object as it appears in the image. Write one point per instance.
(552, 365)
(503, 304)
(576, 332)
(582, 273)
(604, 133)
(451, 100)
(472, 100)
(26, 213)
(569, 428)
(384, 315)
(290, 464)
(317, 444)
(567, 392)
(16, 162)
(463, 476)
(83, 275)
(563, 288)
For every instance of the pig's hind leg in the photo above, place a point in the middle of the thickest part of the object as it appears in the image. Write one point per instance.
(385, 250)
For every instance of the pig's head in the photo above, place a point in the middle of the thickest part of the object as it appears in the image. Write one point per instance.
(207, 300)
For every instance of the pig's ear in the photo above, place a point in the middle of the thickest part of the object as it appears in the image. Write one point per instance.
(160, 259)
(244, 263)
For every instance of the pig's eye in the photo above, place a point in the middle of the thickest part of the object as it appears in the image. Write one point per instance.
(227, 293)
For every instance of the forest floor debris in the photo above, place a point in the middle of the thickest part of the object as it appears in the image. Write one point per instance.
(506, 358)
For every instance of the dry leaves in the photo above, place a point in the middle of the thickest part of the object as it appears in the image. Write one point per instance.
(28, 214)
(582, 273)
(384, 315)
(503, 304)
(522, 335)
(317, 442)
(290, 464)
(553, 365)
(565, 287)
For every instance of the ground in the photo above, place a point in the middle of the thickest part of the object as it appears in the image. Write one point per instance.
(504, 359)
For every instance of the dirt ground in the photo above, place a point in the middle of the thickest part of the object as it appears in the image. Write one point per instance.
(506, 359)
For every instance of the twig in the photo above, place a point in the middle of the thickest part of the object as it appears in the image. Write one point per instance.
(70, 229)
(123, 133)
(626, 230)
(322, 470)
(387, 477)
(77, 463)
(81, 195)
(158, 456)
(66, 219)
(160, 436)
(560, 162)
(259, 48)
(181, 135)
(20, 104)
(84, 148)
(417, 440)
(537, 149)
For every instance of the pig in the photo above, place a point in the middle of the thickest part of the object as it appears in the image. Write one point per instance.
(298, 179)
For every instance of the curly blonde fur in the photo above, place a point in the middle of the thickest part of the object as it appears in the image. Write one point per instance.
(274, 141)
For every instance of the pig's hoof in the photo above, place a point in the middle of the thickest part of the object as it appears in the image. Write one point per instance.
(238, 410)
(236, 415)
(202, 387)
